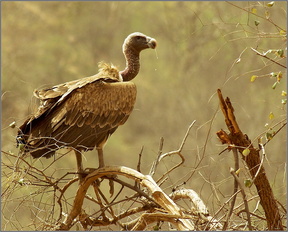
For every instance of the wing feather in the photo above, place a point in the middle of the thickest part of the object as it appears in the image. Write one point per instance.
(80, 114)
(100, 104)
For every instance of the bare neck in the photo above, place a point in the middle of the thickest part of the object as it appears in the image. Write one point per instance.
(132, 64)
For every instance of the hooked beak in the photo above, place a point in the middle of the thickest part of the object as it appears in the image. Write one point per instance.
(152, 43)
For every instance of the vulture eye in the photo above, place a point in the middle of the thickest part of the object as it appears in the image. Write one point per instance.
(138, 37)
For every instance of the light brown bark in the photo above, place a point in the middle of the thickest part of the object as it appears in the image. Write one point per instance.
(237, 139)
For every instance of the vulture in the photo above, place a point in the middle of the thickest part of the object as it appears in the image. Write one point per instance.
(83, 113)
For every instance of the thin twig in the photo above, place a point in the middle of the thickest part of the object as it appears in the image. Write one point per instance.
(139, 159)
(232, 171)
(177, 152)
(236, 162)
(156, 162)
(268, 58)
(276, 133)
(269, 20)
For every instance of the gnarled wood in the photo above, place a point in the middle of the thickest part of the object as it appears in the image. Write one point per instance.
(145, 180)
(253, 161)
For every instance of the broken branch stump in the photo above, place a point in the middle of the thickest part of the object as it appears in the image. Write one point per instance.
(241, 141)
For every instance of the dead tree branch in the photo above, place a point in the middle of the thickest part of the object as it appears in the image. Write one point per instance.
(177, 152)
(145, 180)
(241, 141)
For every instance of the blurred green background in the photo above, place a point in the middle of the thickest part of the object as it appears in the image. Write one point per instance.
(202, 46)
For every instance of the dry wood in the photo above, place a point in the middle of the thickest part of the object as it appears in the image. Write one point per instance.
(196, 202)
(145, 180)
(241, 141)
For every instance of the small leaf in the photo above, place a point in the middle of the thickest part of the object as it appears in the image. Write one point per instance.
(273, 74)
(269, 136)
(284, 101)
(21, 147)
(21, 181)
(270, 4)
(238, 61)
(254, 10)
(279, 76)
(156, 228)
(284, 93)
(12, 124)
(282, 32)
(247, 183)
(280, 53)
(274, 85)
(237, 171)
(253, 78)
(271, 116)
(256, 22)
(246, 152)
(267, 14)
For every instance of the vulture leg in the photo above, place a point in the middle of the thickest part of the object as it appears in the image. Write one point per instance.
(101, 165)
(100, 157)
(79, 165)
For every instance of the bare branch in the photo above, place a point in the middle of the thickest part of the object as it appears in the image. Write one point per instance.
(158, 195)
(268, 58)
(232, 171)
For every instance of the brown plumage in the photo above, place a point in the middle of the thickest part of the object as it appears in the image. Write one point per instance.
(82, 114)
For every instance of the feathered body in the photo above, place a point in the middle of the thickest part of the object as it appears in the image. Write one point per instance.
(82, 114)
(67, 116)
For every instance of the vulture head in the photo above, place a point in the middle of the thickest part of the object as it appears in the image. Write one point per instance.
(133, 45)
(138, 42)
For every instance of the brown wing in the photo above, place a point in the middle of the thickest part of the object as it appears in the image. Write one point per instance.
(97, 104)
(49, 96)
(83, 119)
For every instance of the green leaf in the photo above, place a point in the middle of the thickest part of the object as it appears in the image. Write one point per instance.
(12, 124)
(271, 116)
(279, 76)
(284, 93)
(21, 147)
(282, 32)
(270, 4)
(253, 78)
(247, 183)
(246, 152)
(21, 181)
(274, 85)
(269, 136)
(254, 10)
(256, 22)
(156, 228)
(267, 14)
(280, 53)
(284, 101)
(237, 171)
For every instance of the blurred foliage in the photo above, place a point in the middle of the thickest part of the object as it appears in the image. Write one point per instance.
(202, 46)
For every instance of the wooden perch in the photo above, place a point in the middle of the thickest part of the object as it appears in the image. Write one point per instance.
(241, 141)
(196, 202)
(158, 196)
